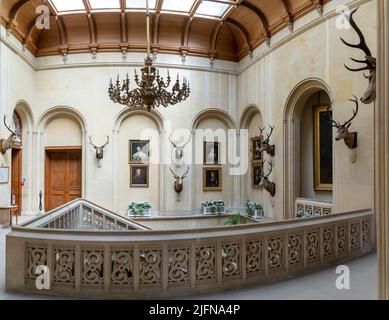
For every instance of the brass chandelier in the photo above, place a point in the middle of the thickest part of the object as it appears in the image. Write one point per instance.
(151, 91)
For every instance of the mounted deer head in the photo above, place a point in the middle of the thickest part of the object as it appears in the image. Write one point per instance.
(266, 146)
(179, 181)
(13, 140)
(99, 150)
(370, 62)
(350, 138)
(179, 150)
(267, 185)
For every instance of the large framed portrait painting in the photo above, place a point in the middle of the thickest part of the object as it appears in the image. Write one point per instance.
(256, 155)
(212, 179)
(139, 151)
(323, 149)
(257, 176)
(211, 153)
(139, 176)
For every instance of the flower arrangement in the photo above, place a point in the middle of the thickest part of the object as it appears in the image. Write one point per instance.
(253, 207)
(305, 214)
(234, 220)
(214, 206)
(138, 208)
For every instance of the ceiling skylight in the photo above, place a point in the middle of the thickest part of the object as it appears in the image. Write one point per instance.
(140, 4)
(68, 5)
(216, 9)
(177, 5)
(104, 4)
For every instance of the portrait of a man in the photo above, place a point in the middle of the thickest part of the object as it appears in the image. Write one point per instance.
(256, 147)
(211, 152)
(139, 151)
(139, 176)
(212, 179)
(257, 176)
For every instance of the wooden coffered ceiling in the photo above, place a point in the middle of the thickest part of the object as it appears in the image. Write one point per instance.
(243, 26)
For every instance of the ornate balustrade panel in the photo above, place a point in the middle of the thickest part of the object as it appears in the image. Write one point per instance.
(308, 207)
(133, 264)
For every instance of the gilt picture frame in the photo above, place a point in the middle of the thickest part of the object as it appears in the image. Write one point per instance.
(256, 176)
(139, 176)
(212, 179)
(211, 153)
(139, 151)
(323, 149)
(255, 147)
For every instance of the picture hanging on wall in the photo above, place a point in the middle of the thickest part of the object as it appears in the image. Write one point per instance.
(323, 149)
(256, 155)
(139, 151)
(4, 175)
(212, 179)
(139, 176)
(257, 176)
(211, 153)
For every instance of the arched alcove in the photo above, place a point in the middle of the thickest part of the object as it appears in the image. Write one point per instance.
(61, 129)
(138, 124)
(211, 125)
(292, 118)
(250, 120)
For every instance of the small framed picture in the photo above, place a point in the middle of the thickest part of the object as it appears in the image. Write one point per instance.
(139, 176)
(257, 176)
(212, 179)
(139, 151)
(4, 175)
(256, 155)
(211, 153)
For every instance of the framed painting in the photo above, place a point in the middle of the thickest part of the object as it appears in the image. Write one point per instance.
(139, 151)
(323, 166)
(256, 155)
(4, 175)
(257, 176)
(139, 176)
(211, 153)
(212, 179)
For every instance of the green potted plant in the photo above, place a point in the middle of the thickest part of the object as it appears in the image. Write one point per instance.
(213, 207)
(139, 209)
(254, 210)
(235, 219)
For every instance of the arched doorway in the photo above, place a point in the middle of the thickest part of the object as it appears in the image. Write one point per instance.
(17, 169)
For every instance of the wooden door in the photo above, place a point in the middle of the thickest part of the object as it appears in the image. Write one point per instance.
(16, 178)
(63, 177)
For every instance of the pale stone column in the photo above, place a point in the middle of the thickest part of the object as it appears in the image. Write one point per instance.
(382, 150)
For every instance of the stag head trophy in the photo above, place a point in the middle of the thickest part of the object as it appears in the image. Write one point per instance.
(266, 146)
(179, 181)
(267, 185)
(350, 138)
(179, 150)
(13, 140)
(370, 63)
(99, 151)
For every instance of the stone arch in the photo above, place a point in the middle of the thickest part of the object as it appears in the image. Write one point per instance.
(41, 124)
(247, 115)
(214, 113)
(293, 109)
(127, 112)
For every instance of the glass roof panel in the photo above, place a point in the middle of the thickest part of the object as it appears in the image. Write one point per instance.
(180, 5)
(140, 4)
(104, 4)
(68, 5)
(215, 9)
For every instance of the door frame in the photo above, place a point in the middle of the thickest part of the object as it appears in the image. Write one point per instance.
(47, 160)
(19, 169)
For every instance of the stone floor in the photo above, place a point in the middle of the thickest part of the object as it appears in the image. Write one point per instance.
(311, 286)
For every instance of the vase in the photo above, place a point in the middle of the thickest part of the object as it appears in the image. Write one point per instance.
(145, 213)
(207, 211)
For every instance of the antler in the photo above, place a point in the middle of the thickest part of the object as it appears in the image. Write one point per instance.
(271, 169)
(105, 143)
(334, 123)
(9, 129)
(91, 142)
(171, 141)
(190, 138)
(186, 173)
(262, 130)
(269, 135)
(175, 176)
(361, 45)
(355, 112)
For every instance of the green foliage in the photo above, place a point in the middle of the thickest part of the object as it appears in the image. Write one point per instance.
(234, 220)
(251, 207)
(138, 208)
(215, 206)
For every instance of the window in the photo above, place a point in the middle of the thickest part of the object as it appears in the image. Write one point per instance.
(215, 9)
(181, 5)
(68, 5)
(140, 4)
(104, 4)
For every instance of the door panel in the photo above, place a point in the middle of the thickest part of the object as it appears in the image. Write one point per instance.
(16, 178)
(63, 177)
